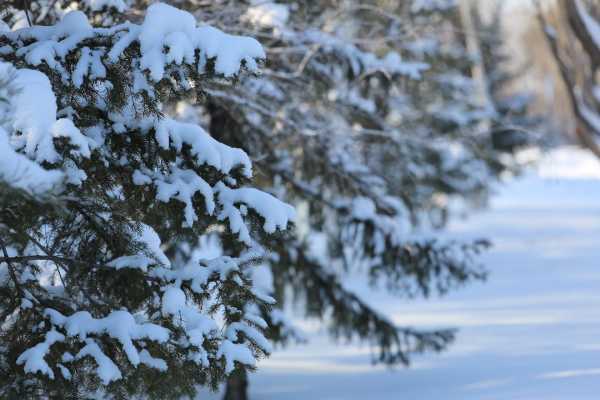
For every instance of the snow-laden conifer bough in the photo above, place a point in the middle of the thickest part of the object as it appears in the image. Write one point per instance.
(90, 306)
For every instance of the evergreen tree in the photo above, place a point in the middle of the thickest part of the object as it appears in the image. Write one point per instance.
(513, 127)
(366, 134)
(90, 305)
(364, 117)
(376, 122)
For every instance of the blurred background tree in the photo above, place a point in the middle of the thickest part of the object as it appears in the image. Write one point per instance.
(572, 31)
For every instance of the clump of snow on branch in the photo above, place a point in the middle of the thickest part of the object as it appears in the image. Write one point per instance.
(29, 125)
(268, 14)
(176, 29)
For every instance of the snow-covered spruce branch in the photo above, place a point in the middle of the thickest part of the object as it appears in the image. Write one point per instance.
(90, 60)
(108, 178)
(405, 266)
(414, 267)
(178, 319)
(348, 316)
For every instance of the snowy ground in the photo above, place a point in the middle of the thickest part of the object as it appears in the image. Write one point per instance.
(531, 332)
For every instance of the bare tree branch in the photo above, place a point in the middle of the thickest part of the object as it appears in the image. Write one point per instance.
(573, 11)
(569, 79)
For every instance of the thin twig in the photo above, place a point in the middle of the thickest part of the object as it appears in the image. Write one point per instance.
(64, 260)
(306, 58)
(11, 306)
(11, 270)
(27, 12)
(48, 252)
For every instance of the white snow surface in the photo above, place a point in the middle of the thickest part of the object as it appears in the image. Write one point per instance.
(569, 163)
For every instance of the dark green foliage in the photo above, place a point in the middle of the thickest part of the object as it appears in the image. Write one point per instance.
(62, 243)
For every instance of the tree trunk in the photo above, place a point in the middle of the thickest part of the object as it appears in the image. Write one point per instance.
(580, 30)
(467, 13)
(219, 128)
(236, 388)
